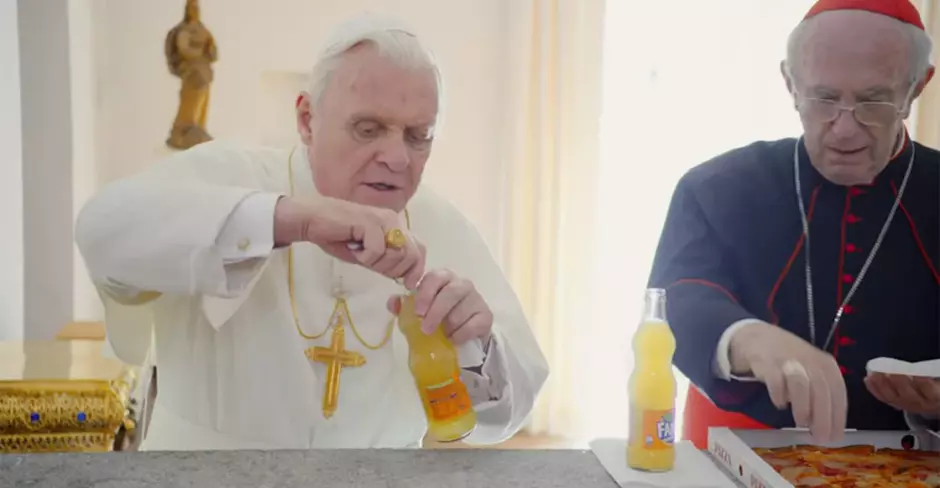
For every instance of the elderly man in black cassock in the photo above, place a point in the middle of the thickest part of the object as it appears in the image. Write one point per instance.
(790, 264)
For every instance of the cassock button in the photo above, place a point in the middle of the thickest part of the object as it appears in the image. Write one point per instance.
(846, 341)
(843, 370)
(853, 219)
(848, 309)
(847, 278)
(855, 191)
(851, 247)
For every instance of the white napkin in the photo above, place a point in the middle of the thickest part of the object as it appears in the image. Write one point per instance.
(929, 369)
(693, 468)
(470, 353)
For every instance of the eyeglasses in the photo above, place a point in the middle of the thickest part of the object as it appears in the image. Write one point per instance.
(872, 114)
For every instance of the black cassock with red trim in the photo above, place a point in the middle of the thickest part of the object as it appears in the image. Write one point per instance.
(732, 249)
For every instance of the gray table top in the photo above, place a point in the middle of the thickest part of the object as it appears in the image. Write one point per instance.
(443, 468)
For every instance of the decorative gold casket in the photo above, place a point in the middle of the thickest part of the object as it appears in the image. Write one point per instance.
(65, 396)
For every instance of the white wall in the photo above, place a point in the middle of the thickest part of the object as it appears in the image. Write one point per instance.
(11, 178)
(265, 52)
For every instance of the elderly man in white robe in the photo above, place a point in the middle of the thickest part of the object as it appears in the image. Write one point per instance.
(234, 261)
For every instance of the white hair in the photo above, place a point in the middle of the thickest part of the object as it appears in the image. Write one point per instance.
(921, 48)
(392, 39)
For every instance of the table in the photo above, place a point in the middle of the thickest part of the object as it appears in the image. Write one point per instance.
(347, 468)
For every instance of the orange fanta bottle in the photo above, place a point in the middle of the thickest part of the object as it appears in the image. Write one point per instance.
(652, 390)
(433, 363)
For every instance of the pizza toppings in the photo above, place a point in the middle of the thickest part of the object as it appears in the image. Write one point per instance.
(854, 467)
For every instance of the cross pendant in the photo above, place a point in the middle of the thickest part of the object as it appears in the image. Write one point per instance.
(335, 358)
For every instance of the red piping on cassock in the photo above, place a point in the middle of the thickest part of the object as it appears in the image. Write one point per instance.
(710, 284)
(917, 240)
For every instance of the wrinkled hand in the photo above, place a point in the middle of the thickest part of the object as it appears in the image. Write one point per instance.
(911, 394)
(351, 232)
(796, 373)
(446, 300)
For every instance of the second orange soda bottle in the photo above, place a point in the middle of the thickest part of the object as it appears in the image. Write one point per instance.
(652, 390)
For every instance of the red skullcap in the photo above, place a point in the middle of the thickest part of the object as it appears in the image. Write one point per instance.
(903, 10)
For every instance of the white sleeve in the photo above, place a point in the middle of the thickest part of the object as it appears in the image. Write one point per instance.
(483, 371)
(919, 423)
(722, 365)
(247, 238)
(168, 229)
(248, 232)
(487, 380)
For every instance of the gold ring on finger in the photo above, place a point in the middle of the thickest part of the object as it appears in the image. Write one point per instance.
(395, 239)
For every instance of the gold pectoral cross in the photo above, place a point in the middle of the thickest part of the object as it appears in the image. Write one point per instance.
(335, 358)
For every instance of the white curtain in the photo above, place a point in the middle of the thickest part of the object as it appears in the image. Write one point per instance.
(553, 109)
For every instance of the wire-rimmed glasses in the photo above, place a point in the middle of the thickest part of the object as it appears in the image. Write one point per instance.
(872, 114)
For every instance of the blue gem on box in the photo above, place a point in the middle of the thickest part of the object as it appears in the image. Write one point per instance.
(34, 417)
(82, 417)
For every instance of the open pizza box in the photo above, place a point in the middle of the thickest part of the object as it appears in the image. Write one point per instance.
(733, 449)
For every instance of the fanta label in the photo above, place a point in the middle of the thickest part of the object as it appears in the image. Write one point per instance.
(655, 429)
(448, 400)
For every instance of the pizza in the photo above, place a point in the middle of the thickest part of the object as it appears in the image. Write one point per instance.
(854, 466)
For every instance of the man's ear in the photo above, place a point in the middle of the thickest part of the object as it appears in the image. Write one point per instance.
(788, 80)
(917, 91)
(923, 84)
(304, 113)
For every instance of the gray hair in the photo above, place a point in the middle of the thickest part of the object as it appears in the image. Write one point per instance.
(392, 39)
(921, 48)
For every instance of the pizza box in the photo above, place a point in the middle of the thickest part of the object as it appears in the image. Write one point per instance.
(733, 449)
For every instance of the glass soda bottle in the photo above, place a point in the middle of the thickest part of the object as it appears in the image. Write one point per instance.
(432, 360)
(652, 390)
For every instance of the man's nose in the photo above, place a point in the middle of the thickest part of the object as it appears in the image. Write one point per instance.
(394, 153)
(846, 123)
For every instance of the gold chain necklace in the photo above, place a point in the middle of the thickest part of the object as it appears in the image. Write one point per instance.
(341, 307)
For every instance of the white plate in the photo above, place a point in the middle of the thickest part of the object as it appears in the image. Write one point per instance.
(929, 369)
(693, 468)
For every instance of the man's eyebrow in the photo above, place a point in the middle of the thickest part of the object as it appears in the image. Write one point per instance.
(877, 92)
(822, 90)
(367, 116)
(873, 92)
(374, 117)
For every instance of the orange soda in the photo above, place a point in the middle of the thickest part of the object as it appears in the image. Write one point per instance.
(652, 390)
(432, 360)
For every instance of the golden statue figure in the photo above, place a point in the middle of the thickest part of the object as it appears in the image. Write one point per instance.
(190, 51)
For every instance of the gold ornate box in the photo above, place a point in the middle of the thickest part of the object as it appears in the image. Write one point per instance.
(64, 396)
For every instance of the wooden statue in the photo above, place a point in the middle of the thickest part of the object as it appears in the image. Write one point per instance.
(190, 51)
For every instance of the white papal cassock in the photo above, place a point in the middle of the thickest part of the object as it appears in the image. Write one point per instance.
(198, 228)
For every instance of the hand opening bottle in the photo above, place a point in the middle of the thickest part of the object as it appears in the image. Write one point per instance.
(652, 390)
(433, 362)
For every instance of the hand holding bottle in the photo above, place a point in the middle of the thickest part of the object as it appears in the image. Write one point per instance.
(445, 299)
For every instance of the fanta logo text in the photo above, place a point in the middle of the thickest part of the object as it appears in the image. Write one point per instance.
(665, 430)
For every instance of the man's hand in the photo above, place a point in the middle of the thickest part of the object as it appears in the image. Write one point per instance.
(351, 232)
(796, 373)
(446, 300)
(911, 394)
